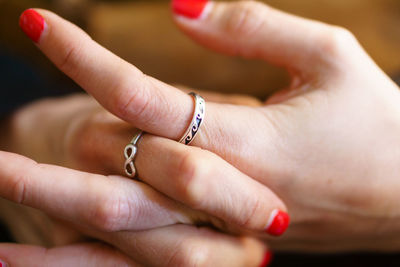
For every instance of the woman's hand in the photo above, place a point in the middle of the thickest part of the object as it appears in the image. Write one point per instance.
(108, 209)
(76, 132)
(249, 205)
(328, 144)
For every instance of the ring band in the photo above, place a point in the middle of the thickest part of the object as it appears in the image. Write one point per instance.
(131, 149)
(198, 117)
(130, 154)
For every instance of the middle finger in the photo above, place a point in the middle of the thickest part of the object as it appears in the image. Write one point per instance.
(195, 177)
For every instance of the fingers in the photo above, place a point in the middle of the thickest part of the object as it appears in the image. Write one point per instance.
(255, 30)
(104, 203)
(120, 87)
(146, 103)
(205, 182)
(88, 255)
(196, 177)
(184, 245)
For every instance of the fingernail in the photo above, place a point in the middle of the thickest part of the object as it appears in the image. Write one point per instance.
(3, 264)
(32, 23)
(278, 222)
(267, 259)
(189, 8)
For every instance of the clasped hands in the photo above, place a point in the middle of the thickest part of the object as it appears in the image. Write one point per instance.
(325, 150)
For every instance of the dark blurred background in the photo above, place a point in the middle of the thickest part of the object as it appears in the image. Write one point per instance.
(142, 32)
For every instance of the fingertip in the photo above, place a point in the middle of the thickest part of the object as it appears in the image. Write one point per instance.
(190, 10)
(278, 222)
(268, 256)
(3, 263)
(32, 24)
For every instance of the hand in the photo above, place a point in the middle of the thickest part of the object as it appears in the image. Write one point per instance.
(77, 133)
(253, 206)
(326, 145)
(92, 204)
(330, 149)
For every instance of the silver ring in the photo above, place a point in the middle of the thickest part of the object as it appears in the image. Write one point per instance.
(198, 117)
(130, 154)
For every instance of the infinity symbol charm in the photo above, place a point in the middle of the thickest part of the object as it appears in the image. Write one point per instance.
(130, 154)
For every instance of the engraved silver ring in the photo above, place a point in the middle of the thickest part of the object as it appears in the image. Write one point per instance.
(189, 135)
(197, 120)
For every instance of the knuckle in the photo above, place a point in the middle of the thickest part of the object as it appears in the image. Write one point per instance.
(191, 253)
(245, 18)
(110, 214)
(68, 59)
(194, 168)
(71, 55)
(248, 219)
(20, 184)
(337, 41)
(132, 103)
(19, 189)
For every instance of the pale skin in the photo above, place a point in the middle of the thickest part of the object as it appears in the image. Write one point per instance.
(119, 211)
(327, 145)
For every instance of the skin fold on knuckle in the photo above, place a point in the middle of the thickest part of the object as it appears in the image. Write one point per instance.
(71, 55)
(19, 189)
(111, 213)
(250, 216)
(336, 43)
(19, 184)
(133, 103)
(191, 177)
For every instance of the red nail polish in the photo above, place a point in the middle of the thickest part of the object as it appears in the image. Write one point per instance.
(3, 264)
(278, 223)
(32, 23)
(189, 8)
(267, 259)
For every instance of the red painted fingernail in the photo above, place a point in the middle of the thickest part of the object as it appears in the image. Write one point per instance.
(278, 222)
(3, 264)
(32, 23)
(189, 8)
(267, 259)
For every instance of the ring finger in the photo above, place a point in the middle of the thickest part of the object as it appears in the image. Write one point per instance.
(195, 177)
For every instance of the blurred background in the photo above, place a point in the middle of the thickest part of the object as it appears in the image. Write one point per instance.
(142, 32)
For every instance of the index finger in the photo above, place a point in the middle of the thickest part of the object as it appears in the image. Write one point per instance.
(144, 102)
(124, 90)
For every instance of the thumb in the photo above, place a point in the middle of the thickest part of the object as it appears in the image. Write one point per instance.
(254, 30)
